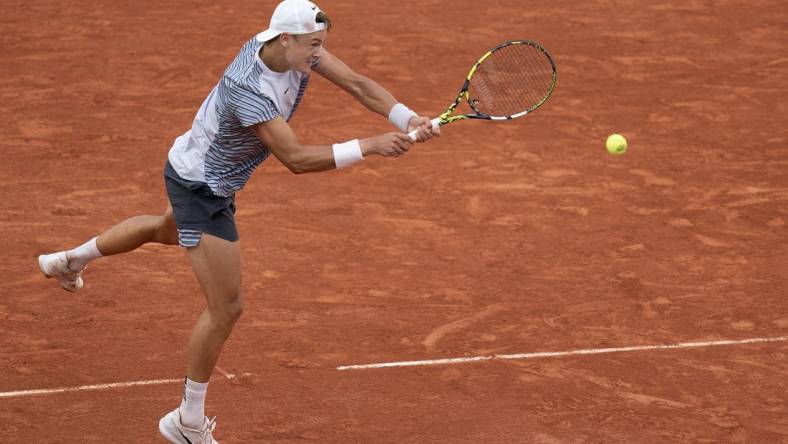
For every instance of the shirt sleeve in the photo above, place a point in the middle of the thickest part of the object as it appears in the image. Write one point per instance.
(251, 108)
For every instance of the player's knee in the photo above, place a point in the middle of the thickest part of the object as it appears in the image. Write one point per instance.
(236, 309)
(165, 231)
(228, 313)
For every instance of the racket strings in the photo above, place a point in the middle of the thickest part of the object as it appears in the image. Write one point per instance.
(513, 79)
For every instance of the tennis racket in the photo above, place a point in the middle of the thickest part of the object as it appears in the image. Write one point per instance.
(509, 81)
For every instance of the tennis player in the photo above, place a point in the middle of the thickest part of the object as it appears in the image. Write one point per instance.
(241, 122)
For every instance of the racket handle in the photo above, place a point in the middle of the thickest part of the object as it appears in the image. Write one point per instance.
(436, 123)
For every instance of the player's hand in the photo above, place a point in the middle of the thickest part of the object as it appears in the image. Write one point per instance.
(386, 145)
(424, 127)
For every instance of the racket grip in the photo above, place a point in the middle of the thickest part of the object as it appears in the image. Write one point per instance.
(436, 123)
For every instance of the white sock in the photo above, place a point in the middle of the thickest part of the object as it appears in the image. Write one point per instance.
(80, 256)
(193, 405)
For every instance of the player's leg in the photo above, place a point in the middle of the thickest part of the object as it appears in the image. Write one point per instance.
(217, 264)
(134, 232)
(128, 235)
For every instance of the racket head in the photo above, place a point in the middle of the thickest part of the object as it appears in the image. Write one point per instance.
(510, 81)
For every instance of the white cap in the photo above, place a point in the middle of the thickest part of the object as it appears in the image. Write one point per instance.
(292, 17)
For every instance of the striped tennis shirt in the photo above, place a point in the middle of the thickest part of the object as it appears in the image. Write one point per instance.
(221, 149)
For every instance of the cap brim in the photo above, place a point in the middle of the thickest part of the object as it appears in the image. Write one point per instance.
(267, 35)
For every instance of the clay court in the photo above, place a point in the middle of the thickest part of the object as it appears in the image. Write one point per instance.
(496, 239)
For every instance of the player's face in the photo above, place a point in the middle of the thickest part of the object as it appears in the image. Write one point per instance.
(303, 50)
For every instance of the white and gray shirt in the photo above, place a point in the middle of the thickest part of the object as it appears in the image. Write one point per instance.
(221, 149)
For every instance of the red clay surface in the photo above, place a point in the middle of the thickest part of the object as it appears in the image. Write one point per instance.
(496, 238)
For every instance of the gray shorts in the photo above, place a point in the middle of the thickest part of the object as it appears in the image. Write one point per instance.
(198, 210)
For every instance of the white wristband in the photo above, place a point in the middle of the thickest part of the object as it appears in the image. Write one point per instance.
(347, 153)
(400, 116)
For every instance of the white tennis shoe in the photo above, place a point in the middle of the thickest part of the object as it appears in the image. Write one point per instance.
(171, 428)
(55, 265)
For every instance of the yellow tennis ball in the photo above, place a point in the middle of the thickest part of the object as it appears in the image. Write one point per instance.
(616, 144)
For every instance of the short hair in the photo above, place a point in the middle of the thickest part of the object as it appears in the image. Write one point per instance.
(321, 17)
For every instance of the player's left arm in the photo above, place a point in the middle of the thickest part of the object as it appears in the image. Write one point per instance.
(370, 94)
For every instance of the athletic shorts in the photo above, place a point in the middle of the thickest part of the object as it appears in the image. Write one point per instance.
(198, 210)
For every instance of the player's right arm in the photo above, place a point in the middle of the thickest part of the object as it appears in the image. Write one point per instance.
(278, 136)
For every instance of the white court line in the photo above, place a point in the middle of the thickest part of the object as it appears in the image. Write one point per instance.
(112, 385)
(84, 388)
(587, 351)
(224, 373)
